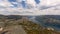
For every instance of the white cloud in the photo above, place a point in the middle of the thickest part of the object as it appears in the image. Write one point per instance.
(5, 3)
(53, 6)
(31, 2)
(49, 2)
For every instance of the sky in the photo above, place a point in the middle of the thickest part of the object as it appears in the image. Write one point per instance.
(30, 7)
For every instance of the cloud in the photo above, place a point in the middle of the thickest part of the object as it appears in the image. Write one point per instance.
(31, 2)
(50, 7)
(49, 2)
(45, 7)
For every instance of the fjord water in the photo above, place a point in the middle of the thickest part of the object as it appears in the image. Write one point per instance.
(55, 25)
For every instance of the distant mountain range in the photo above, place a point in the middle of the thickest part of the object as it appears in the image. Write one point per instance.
(22, 25)
(44, 20)
(11, 16)
(49, 21)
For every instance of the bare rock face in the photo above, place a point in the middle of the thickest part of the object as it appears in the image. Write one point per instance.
(15, 30)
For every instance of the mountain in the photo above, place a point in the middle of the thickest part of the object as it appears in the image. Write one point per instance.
(13, 17)
(49, 21)
(16, 17)
(24, 26)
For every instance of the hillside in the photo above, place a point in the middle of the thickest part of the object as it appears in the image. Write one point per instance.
(49, 21)
(23, 26)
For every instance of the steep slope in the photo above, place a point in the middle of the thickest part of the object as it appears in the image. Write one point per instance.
(23, 26)
(49, 21)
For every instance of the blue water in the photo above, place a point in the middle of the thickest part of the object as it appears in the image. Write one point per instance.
(52, 24)
(56, 25)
